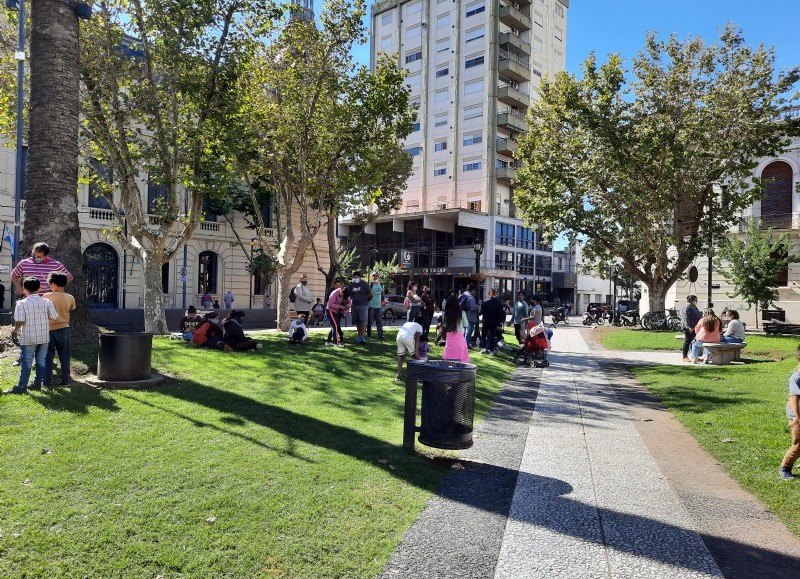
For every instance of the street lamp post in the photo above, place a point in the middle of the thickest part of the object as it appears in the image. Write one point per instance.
(253, 242)
(124, 255)
(19, 55)
(477, 247)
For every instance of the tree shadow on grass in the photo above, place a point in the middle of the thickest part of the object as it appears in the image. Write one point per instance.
(77, 398)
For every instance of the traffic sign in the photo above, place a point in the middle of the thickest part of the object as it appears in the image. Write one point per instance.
(184, 272)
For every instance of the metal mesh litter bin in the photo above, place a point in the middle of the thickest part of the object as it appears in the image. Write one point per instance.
(448, 402)
(125, 357)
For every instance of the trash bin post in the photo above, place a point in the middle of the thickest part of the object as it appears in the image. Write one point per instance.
(410, 412)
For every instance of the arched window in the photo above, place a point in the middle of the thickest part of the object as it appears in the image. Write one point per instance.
(101, 272)
(776, 203)
(207, 281)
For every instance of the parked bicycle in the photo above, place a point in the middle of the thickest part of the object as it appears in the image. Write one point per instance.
(662, 321)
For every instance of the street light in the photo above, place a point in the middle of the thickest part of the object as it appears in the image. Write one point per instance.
(124, 255)
(477, 247)
(253, 241)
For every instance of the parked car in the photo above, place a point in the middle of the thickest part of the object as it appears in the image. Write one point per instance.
(394, 308)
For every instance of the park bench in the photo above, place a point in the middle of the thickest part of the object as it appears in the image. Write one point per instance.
(722, 354)
(778, 327)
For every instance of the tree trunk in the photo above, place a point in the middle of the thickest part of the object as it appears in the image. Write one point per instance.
(51, 200)
(155, 321)
(657, 298)
(284, 305)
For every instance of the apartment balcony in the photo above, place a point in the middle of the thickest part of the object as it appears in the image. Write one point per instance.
(506, 146)
(509, 41)
(513, 97)
(515, 18)
(505, 175)
(783, 221)
(514, 66)
(512, 120)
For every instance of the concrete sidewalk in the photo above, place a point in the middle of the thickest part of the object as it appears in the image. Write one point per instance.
(562, 482)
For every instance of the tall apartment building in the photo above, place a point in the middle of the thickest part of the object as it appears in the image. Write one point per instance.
(473, 67)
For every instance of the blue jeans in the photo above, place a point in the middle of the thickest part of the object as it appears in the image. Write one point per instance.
(59, 342)
(696, 348)
(28, 353)
(376, 314)
(731, 340)
(468, 335)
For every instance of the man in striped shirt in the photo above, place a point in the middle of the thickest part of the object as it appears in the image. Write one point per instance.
(38, 265)
(31, 315)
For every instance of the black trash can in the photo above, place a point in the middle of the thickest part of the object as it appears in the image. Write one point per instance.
(125, 357)
(448, 402)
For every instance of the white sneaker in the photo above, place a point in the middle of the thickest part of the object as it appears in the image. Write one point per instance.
(484, 350)
(259, 346)
(339, 345)
(491, 353)
(328, 343)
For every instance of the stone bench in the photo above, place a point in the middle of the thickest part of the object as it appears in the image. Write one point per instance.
(721, 354)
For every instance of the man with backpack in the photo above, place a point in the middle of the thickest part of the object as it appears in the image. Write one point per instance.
(303, 298)
(466, 302)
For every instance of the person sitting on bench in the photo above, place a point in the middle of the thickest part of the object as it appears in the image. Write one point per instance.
(734, 330)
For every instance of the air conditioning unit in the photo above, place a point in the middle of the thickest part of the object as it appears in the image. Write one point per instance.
(514, 84)
(515, 31)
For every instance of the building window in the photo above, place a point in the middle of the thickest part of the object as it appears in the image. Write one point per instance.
(413, 8)
(475, 8)
(473, 87)
(776, 204)
(559, 10)
(413, 32)
(165, 278)
(538, 18)
(504, 234)
(441, 120)
(416, 127)
(442, 71)
(156, 195)
(100, 182)
(525, 264)
(472, 165)
(475, 34)
(537, 45)
(474, 205)
(207, 279)
(473, 112)
(558, 34)
(413, 57)
(443, 45)
(412, 79)
(439, 170)
(557, 56)
(473, 138)
(504, 260)
(440, 145)
(536, 69)
(524, 238)
(443, 95)
(473, 61)
(386, 42)
(414, 151)
(443, 21)
(386, 18)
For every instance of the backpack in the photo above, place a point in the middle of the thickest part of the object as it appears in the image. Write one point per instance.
(292, 296)
(463, 302)
(200, 337)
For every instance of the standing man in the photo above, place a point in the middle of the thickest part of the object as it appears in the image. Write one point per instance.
(228, 299)
(304, 299)
(466, 302)
(361, 294)
(39, 265)
(375, 306)
(690, 315)
(520, 315)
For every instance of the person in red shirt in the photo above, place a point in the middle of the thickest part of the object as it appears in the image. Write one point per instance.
(39, 265)
(707, 330)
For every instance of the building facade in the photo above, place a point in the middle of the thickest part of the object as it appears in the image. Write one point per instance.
(215, 259)
(473, 67)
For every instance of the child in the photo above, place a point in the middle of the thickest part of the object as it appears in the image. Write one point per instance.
(60, 340)
(319, 312)
(298, 332)
(408, 342)
(424, 347)
(189, 322)
(793, 414)
(31, 315)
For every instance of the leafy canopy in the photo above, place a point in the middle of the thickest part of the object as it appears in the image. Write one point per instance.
(646, 164)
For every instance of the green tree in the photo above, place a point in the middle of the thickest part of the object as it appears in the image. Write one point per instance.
(752, 263)
(159, 85)
(322, 133)
(647, 165)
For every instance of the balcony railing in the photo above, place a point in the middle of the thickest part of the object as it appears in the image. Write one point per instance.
(515, 18)
(506, 146)
(439, 206)
(523, 61)
(780, 221)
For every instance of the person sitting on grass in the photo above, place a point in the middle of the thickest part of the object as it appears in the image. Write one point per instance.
(209, 333)
(793, 415)
(235, 339)
(408, 343)
(189, 323)
(734, 331)
(31, 332)
(455, 320)
(298, 332)
(708, 331)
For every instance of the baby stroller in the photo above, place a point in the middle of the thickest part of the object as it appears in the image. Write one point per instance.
(533, 351)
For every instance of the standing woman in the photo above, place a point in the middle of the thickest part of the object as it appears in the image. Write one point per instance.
(708, 330)
(413, 300)
(334, 309)
(428, 309)
(690, 315)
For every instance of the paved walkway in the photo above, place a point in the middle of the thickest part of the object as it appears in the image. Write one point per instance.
(561, 482)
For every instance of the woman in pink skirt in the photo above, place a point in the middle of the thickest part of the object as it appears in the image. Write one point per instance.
(455, 347)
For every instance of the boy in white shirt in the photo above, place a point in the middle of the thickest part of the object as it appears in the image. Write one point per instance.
(408, 342)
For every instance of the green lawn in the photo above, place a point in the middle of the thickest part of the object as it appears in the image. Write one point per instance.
(736, 412)
(282, 463)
